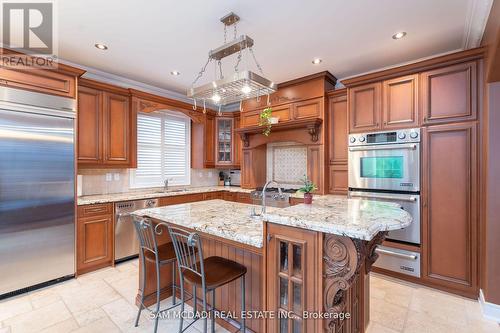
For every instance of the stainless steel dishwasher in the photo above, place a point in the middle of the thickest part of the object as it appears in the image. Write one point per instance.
(126, 242)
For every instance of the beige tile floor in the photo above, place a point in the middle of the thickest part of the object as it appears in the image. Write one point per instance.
(103, 301)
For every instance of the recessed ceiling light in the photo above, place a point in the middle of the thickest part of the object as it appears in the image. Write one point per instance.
(175, 73)
(399, 35)
(101, 46)
(316, 61)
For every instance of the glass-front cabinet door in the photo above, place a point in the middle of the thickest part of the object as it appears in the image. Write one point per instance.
(291, 278)
(224, 141)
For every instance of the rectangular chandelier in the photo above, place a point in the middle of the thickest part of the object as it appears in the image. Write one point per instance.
(234, 88)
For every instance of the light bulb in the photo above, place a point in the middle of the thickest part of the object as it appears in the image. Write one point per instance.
(246, 89)
(216, 98)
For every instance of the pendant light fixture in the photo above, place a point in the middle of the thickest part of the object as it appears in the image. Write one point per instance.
(238, 86)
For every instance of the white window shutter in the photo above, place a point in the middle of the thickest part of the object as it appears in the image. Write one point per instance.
(163, 150)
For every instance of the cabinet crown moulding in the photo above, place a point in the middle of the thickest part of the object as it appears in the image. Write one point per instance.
(311, 125)
(416, 67)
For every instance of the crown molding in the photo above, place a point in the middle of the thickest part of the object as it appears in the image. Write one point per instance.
(477, 16)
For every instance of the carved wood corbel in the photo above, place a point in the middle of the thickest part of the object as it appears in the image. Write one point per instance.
(313, 130)
(342, 259)
(246, 139)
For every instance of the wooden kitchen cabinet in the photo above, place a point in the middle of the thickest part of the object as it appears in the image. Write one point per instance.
(400, 102)
(338, 128)
(212, 195)
(209, 141)
(449, 94)
(449, 207)
(106, 126)
(307, 109)
(291, 272)
(90, 120)
(365, 105)
(338, 179)
(253, 173)
(94, 237)
(237, 144)
(180, 199)
(116, 129)
(224, 141)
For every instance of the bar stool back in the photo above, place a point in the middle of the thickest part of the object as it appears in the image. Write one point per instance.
(161, 255)
(209, 273)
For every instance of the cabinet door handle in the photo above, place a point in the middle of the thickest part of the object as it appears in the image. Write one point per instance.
(269, 237)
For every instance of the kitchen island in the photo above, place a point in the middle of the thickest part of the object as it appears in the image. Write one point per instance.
(304, 261)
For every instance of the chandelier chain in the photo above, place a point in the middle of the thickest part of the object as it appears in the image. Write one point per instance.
(200, 74)
(256, 62)
(220, 69)
(225, 34)
(238, 60)
(235, 30)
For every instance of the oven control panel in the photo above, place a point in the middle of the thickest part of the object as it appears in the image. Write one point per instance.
(389, 137)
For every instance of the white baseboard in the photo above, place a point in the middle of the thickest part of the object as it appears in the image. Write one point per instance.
(490, 311)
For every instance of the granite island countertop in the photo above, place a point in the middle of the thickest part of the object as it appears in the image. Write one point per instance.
(355, 218)
(153, 193)
(225, 219)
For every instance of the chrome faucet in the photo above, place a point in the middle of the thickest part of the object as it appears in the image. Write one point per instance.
(263, 211)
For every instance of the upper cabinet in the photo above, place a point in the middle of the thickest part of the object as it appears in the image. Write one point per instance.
(365, 103)
(449, 94)
(384, 105)
(337, 128)
(400, 102)
(436, 91)
(224, 141)
(237, 143)
(106, 126)
(209, 141)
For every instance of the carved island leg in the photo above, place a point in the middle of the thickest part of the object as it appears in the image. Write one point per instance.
(342, 259)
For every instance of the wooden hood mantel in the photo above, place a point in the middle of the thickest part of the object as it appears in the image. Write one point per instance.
(311, 125)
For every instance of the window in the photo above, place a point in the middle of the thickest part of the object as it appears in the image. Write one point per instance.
(163, 150)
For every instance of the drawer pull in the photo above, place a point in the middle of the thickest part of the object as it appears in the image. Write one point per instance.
(396, 254)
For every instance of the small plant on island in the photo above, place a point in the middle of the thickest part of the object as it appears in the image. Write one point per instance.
(307, 188)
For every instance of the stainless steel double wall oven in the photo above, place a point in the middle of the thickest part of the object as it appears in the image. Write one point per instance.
(386, 166)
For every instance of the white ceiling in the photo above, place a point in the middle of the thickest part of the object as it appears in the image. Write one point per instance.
(148, 39)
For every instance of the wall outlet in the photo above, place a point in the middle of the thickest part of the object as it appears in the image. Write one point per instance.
(116, 176)
(109, 177)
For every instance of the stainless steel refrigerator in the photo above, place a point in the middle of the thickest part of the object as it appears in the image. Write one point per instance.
(37, 191)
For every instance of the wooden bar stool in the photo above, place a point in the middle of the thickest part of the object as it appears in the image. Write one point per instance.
(160, 255)
(208, 274)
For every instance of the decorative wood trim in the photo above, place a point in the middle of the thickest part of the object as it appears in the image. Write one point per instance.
(311, 125)
(102, 86)
(337, 93)
(326, 75)
(448, 59)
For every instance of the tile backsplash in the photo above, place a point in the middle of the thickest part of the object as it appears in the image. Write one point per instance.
(286, 163)
(107, 181)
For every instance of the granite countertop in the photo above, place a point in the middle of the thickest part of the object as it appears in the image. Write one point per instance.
(355, 218)
(152, 193)
(229, 220)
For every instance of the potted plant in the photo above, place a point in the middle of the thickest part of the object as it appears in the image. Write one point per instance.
(266, 120)
(307, 188)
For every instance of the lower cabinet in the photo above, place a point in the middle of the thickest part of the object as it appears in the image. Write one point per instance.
(291, 272)
(212, 195)
(450, 207)
(95, 237)
(230, 196)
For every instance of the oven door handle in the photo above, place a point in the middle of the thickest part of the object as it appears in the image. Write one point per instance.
(409, 146)
(396, 254)
(385, 197)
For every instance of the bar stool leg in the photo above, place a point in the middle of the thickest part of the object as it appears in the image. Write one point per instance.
(182, 302)
(195, 300)
(157, 317)
(213, 311)
(143, 276)
(205, 319)
(173, 282)
(243, 327)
